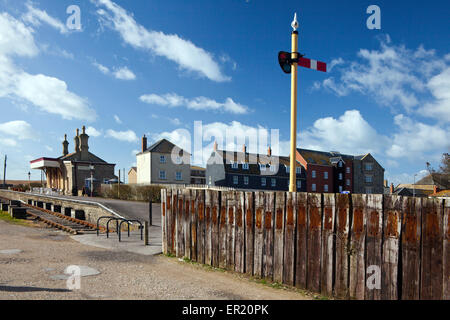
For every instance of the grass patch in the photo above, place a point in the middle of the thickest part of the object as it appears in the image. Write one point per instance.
(5, 216)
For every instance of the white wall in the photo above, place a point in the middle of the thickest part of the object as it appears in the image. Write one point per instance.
(143, 168)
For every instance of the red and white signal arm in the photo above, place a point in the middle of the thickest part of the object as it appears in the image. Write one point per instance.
(312, 64)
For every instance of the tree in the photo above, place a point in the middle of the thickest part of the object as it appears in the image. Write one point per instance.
(445, 164)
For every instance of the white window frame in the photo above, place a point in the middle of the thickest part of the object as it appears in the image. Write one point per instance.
(262, 167)
(347, 170)
(245, 165)
(235, 179)
(234, 165)
(176, 176)
(273, 168)
(162, 159)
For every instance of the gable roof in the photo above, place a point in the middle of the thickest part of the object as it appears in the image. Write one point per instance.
(76, 157)
(162, 146)
(322, 157)
(438, 179)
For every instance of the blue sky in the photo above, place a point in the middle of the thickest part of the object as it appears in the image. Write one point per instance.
(155, 67)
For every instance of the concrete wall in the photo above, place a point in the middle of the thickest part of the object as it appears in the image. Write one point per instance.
(92, 210)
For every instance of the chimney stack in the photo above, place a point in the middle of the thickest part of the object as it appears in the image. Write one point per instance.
(144, 143)
(215, 146)
(244, 148)
(84, 145)
(435, 189)
(269, 151)
(392, 188)
(77, 141)
(65, 146)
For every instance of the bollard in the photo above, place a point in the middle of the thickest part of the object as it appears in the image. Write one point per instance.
(151, 212)
(146, 233)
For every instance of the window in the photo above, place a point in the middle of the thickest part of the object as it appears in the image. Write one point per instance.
(246, 180)
(234, 165)
(340, 176)
(287, 168)
(299, 184)
(162, 159)
(298, 170)
(262, 167)
(325, 175)
(368, 179)
(162, 175)
(245, 166)
(313, 187)
(273, 182)
(347, 170)
(340, 164)
(348, 182)
(235, 179)
(263, 182)
(325, 188)
(368, 190)
(178, 176)
(273, 168)
(340, 189)
(313, 173)
(210, 179)
(368, 166)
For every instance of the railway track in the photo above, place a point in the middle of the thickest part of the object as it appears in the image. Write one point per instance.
(59, 221)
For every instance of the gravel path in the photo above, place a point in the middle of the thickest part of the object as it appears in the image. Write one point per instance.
(32, 267)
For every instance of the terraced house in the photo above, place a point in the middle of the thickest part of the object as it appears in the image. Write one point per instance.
(244, 170)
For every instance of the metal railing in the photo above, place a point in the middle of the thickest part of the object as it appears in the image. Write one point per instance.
(118, 226)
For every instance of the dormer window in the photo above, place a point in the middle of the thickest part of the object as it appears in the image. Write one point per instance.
(273, 168)
(234, 165)
(245, 166)
(262, 167)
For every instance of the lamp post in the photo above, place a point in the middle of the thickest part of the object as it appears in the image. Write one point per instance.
(292, 173)
(91, 167)
(29, 180)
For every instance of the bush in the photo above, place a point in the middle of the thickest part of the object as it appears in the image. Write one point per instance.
(131, 192)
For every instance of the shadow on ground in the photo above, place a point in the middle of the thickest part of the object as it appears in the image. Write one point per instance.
(30, 289)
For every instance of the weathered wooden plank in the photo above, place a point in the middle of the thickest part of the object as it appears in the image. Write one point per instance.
(231, 207)
(301, 242)
(314, 241)
(374, 223)
(328, 230)
(187, 223)
(342, 245)
(180, 225)
(163, 220)
(223, 231)
(239, 258)
(431, 287)
(171, 226)
(208, 231)
(193, 221)
(357, 247)
(278, 239)
(268, 235)
(411, 243)
(201, 226)
(446, 275)
(215, 229)
(259, 234)
(289, 239)
(392, 222)
(249, 232)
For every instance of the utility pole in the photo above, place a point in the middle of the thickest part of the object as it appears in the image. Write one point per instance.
(294, 57)
(4, 171)
(118, 187)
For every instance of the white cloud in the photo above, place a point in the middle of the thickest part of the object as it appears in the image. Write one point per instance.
(91, 131)
(395, 75)
(199, 103)
(183, 52)
(128, 136)
(175, 121)
(36, 16)
(415, 138)
(117, 119)
(124, 74)
(101, 67)
(47, 93)
(19, 129)
(350, 133)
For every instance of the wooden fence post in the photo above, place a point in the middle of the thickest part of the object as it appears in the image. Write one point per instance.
(201, 226)
(268, 235)
(411, 240)
(239, 233)
(301, 259)
(289, 239)
(391, 238)
(180, 225)
(187, 223)
(314, 241)
(431, 287)
(328, 221)
(357, 247)
(249, 232)
(341, 288)
(223, 231)
(215, 229)
(278, 239)
(193, 222)
(208, 235)
(446, 275)
(259, 234)
(231, 205)
(172, 221)
(163, 220)
(374, 214)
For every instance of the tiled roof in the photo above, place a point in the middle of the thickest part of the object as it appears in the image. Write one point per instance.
(162, 146)
(321, 157)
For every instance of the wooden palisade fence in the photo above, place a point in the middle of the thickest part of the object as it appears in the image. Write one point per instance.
(356, 246)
